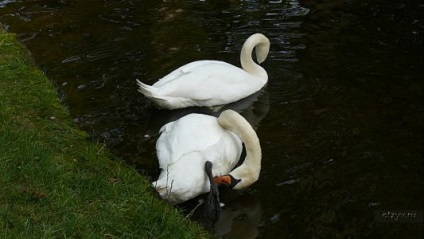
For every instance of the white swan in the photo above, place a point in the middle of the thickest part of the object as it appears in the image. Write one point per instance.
(186, 144)
(212, 83)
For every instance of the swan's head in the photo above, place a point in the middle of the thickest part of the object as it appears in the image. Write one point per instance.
(240, 178)
(226, 180)
(260, 43)
(262, 48)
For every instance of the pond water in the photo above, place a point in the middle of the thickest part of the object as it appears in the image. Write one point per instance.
(340, 120)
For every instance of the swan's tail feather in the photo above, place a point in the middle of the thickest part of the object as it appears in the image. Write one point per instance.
(147, 90)
(152, 93)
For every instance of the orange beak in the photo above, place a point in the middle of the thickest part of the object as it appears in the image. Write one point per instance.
(225, 179)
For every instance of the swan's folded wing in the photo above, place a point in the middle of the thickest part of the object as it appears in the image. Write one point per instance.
(225, 154)
(194, 132)
(212, 81)
(179, 72)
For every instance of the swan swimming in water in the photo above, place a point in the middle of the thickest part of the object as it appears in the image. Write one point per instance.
(185, 145)
(211, 83)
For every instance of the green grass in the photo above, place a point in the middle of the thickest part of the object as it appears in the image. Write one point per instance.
(53, 182)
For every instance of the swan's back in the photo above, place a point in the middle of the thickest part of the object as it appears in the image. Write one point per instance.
(197, 133)
(213, 81)
(185, 69)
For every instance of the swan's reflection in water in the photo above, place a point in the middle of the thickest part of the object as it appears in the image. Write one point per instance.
(239, 218)
(253, 108)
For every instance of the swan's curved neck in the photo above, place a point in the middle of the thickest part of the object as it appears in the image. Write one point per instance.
(249, 171)
(262, 48)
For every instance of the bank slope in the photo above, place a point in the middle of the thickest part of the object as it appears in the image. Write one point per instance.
(53, 182)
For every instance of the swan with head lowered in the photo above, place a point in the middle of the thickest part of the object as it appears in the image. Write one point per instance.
(185, 145)
(211, 83)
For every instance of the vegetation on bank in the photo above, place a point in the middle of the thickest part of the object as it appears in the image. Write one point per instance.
(53, 182)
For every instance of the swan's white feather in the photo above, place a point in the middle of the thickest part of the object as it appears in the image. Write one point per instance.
(211, 83)
(196, 133)
(183, 148)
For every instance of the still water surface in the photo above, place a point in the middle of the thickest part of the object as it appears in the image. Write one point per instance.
(340, 121)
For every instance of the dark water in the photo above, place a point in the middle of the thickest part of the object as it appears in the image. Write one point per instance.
(340, 121)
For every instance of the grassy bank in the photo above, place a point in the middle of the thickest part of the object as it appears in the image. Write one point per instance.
(53, 183)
